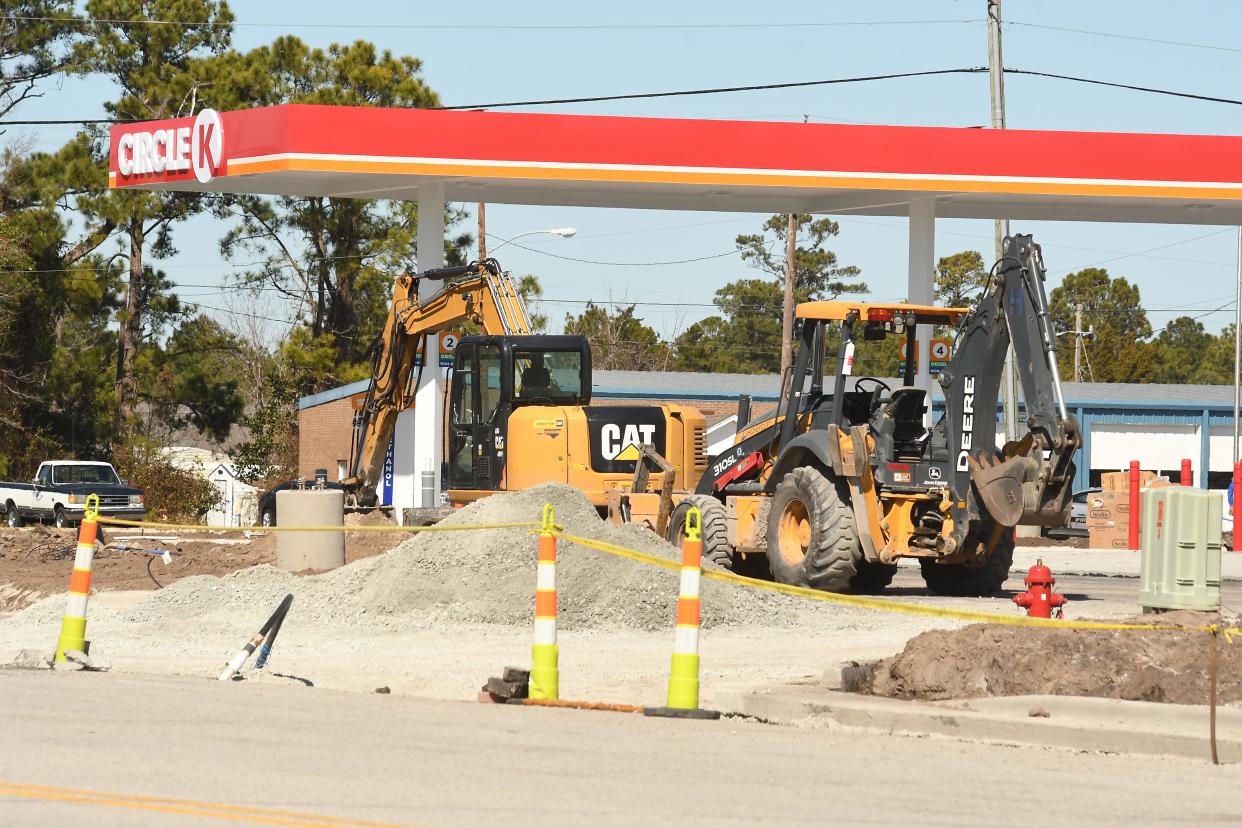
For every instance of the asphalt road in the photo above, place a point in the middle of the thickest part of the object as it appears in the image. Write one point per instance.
(112, 750)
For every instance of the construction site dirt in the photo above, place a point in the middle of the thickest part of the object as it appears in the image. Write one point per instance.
(992, 660)
(437, 613)
(35, 561)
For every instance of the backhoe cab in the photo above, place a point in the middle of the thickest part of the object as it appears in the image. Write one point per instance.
(835, 487)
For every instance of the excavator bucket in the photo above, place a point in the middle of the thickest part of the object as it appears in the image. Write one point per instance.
(999, 483)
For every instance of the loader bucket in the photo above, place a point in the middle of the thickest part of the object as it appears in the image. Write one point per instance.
(999, 483)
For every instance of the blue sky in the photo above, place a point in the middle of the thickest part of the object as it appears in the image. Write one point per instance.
(484, 52)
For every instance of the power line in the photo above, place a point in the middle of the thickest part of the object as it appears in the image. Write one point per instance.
(1132, 87)
(1047, 245)
(589, 99)
(1145, 252)
(735, 251)
(1118, 36)
(595, 98)
(723, 89)
(474, 27)
(974, 70)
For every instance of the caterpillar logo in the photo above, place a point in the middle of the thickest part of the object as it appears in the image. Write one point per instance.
(622, 442)
(617, 432)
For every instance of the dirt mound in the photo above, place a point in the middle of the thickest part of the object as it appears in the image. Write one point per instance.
(486, 576)
(995, 660)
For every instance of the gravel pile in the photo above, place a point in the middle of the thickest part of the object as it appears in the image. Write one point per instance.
(481, 577)
(50, 610)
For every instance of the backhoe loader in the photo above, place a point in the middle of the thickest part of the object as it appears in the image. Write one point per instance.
(519, 412)
(836, 487)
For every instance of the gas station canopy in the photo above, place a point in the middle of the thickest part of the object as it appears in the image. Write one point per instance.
(679, 164)
(437, 156)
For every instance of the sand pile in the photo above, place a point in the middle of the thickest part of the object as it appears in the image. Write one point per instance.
(481, 577)
(992, 660)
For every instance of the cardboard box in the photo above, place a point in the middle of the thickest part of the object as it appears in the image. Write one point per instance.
(1108, 510)
(1119, 481)
(1108, 515)
(1109, 538)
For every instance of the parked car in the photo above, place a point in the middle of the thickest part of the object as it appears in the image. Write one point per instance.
(1077, 527)
(59, 490)
(267, 501)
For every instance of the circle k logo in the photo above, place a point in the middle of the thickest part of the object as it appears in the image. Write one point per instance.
(207, 145)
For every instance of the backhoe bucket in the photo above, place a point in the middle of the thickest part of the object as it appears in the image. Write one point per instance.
(999, 483)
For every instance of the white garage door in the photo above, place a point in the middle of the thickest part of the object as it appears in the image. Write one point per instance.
(1160, 448)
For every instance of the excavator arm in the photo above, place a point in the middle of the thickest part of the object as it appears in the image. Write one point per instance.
(1030, 483)
(481, 293)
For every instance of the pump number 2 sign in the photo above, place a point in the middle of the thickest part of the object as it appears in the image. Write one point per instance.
(448, 346)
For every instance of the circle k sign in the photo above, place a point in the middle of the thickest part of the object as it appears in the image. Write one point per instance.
(199, 148)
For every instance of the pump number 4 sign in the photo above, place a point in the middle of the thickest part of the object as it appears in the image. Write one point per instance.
(940, 351)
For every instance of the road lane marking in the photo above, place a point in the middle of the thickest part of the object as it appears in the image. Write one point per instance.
(187, 807)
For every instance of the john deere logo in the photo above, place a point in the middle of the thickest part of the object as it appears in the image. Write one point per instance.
(617, 443)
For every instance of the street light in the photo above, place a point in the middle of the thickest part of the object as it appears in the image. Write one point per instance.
(563, 232)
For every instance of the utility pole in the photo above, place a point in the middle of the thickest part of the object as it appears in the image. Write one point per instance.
(1078, 342)
(996, 86)
(1237, 358)
(482, 231)
(791, 246)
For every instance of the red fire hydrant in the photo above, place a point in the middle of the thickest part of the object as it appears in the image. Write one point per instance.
(1039, 600)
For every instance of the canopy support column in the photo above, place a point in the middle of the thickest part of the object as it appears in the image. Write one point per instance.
(429, 398)
(919, 285)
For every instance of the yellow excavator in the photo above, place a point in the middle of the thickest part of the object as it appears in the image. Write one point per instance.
(519, 404)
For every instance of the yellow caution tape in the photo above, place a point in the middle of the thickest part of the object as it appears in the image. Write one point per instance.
(856, 601)
(145, 524)
(889, 605)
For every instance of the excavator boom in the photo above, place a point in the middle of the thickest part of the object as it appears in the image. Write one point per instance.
(481, 293)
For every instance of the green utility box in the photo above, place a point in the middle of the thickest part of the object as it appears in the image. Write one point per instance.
(1181, 544)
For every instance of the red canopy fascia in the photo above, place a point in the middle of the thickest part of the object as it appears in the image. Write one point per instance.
(711, 165)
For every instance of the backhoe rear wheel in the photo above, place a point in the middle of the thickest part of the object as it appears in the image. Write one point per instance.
(811, 537)
(984, 578)
(714, 530)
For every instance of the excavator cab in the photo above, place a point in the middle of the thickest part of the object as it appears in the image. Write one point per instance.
(492, 377)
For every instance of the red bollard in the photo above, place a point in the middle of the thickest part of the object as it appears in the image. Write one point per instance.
(1134, 504)
(1237, 492)
(1187, 475)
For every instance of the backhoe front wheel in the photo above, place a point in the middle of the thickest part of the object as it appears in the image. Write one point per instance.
(972, 580)
(714, 529)
(811, 537)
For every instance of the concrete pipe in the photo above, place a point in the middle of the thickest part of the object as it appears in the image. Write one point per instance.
(297, 551)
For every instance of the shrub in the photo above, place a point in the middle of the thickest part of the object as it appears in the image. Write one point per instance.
(171, 494)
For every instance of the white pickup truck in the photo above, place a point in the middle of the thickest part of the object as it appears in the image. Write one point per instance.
(58, 493)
